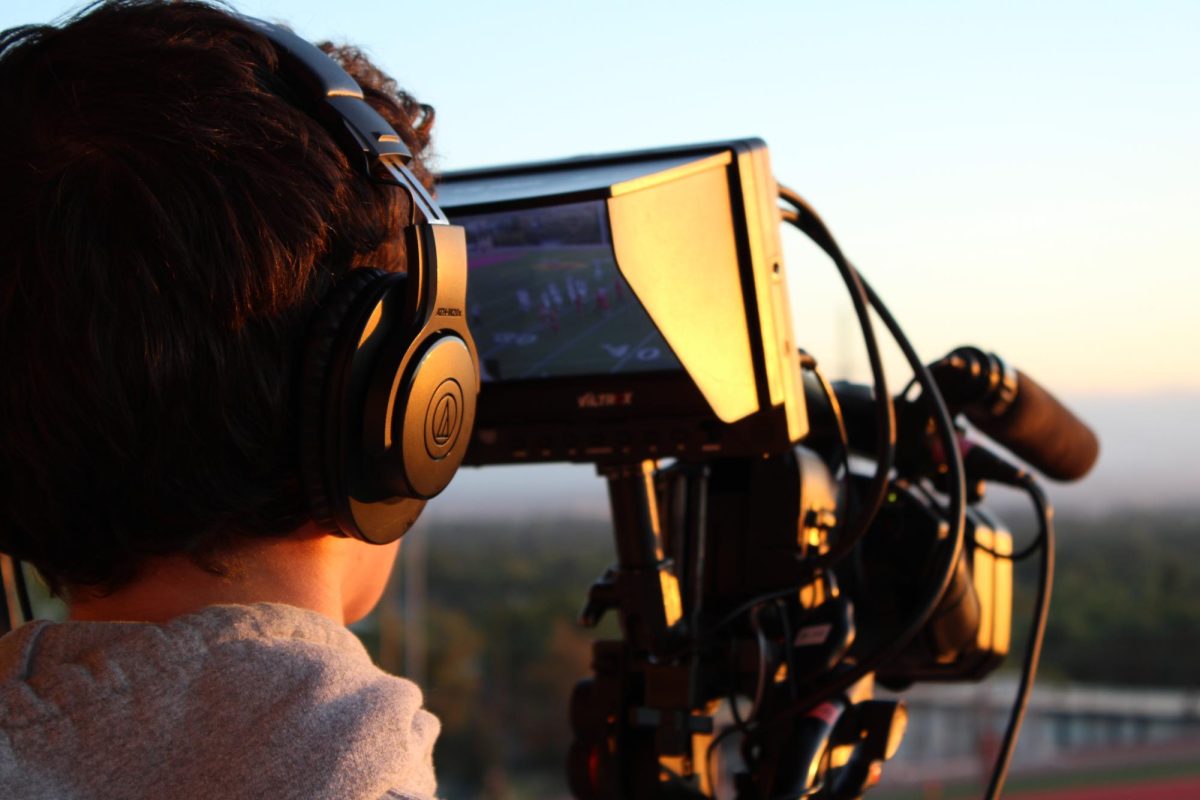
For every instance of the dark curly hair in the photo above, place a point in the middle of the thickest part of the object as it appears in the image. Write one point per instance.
(169, 219)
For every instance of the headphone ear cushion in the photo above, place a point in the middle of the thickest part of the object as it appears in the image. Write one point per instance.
(329, 346)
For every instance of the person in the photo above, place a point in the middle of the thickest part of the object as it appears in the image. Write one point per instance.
(170, 220)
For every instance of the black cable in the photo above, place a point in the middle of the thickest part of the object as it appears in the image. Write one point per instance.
(1037, 633)
(949, 441)
(760, 687)
(810, 223)
(1019, 555)
(835, 408)
(738, 722)
(842, 681)
(757, 600)
(789, 647)
(761, 681)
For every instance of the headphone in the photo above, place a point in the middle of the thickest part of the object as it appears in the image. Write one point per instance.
(390, 373)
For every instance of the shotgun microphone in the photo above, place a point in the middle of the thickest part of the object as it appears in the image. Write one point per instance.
(1016, 412)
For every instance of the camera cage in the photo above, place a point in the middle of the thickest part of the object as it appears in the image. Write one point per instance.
(693, 234)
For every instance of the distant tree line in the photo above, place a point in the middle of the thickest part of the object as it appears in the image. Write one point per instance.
(1126, 607)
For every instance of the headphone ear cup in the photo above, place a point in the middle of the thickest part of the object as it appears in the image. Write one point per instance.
(332, 337)
(438, 414)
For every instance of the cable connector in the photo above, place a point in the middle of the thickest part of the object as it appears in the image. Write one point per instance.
(982, 464)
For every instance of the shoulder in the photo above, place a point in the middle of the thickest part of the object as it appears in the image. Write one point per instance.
(235, 698)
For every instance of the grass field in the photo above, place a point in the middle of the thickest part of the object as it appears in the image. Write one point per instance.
(550, 311)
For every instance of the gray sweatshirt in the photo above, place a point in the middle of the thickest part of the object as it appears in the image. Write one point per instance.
(262, 701)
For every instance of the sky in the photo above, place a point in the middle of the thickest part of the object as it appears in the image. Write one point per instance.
(1021, 176)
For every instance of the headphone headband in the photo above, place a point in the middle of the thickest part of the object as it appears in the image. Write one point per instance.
(369, 140)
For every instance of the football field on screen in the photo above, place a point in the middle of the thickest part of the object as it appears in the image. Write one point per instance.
(550, 311)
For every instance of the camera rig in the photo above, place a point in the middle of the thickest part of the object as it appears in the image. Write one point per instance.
(631, 311)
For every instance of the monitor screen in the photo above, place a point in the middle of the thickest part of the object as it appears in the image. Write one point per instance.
(545, 298)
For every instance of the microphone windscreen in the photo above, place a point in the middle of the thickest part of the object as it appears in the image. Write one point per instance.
(1042, 431)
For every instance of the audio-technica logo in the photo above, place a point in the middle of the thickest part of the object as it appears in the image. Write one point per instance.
(444, 418)
(445, 414)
